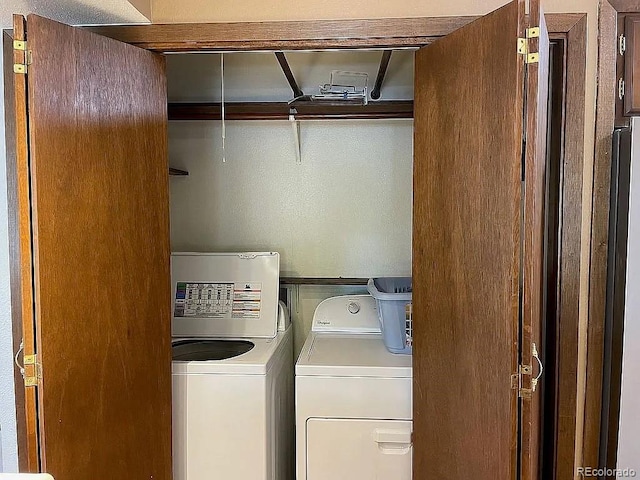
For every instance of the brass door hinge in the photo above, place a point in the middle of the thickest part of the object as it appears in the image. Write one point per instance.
(525, 393)
(533, 32)
(516, 381)
(523, 45)
(32, 371)
(533, 57)
(21, 46)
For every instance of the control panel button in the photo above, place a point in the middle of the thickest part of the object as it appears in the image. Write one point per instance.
(353, 307)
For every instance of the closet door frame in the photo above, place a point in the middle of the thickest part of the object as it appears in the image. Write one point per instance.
(568, 29)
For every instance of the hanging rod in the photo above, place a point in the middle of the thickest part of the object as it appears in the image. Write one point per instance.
(382, 71)
(284, 64)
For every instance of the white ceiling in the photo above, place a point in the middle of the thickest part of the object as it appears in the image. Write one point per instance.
(73, 12)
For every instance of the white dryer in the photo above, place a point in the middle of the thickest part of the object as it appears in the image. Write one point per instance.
(353, 398)
(232, 369)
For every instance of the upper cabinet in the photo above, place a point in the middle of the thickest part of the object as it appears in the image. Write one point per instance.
(628, 68)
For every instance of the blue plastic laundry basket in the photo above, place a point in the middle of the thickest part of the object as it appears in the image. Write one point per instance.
(393, 297)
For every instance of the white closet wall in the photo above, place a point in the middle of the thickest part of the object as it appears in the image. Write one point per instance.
(344, 210)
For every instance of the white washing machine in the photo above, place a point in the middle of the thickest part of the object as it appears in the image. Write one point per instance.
(353, 398)
(232, 369)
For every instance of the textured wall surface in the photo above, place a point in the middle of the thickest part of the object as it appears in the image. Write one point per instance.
(71, 12)
(629, 433)
(345, 210)
(74, 12)
(170, 11)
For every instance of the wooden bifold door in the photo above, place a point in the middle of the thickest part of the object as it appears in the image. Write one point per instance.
(479, 158)
(90, 259)
(98, 203)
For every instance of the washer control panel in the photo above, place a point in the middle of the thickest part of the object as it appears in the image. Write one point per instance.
(347, 313)
(353, 307)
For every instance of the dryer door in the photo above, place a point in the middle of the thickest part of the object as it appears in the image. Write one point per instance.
(344, 449)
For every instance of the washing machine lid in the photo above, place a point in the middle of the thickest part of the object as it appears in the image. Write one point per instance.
(204, 350)
(256, 361)
(225, 294)
(351, 355)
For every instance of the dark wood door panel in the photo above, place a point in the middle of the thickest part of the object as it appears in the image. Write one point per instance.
(20, 254)
(468, 110)
(99, 179)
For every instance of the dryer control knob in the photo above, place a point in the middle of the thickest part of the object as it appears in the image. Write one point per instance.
(353, 307)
